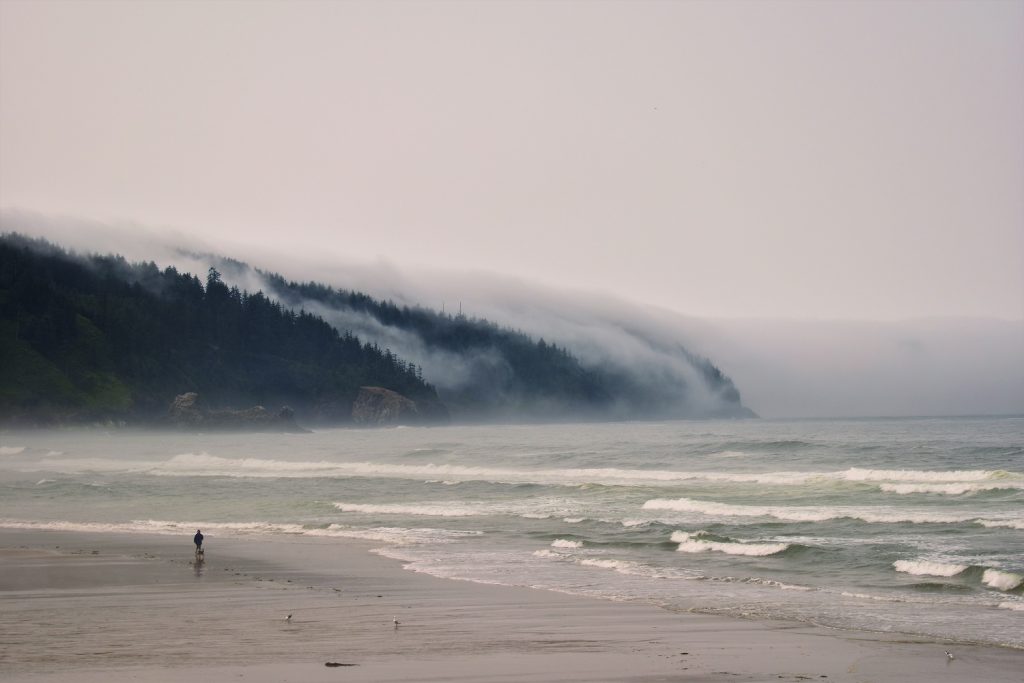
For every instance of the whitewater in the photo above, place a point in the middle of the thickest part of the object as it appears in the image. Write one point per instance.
(908, 526)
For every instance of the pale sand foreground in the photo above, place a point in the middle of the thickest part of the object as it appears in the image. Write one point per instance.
(113, 608)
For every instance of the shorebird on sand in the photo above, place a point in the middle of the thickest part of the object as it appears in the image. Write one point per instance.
(949, 655)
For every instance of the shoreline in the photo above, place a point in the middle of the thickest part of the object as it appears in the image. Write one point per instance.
(91, 606)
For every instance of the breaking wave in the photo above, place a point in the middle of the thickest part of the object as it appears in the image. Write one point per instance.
(700, 543)
(993, 578)
(1001, 524)
(953, 482)
(924, 568)
(877, 515)
(529, 509)
(859, 474)
(957, 489)
(1001, 580)
(203, 464)
(440, 510)
(620, 566)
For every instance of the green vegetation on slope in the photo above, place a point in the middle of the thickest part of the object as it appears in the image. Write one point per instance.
(504, 373)
(95, 337)
(88, 338)
(509, 374)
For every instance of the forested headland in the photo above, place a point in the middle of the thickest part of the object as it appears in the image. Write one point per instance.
(96, 338)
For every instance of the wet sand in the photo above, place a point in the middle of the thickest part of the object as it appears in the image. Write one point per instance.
(117, 607)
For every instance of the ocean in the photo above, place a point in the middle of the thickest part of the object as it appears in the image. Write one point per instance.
(905, 525)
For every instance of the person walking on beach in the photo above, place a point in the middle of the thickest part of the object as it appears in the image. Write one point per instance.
(198, 540)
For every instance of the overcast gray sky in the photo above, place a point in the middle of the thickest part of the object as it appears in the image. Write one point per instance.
(807, 159)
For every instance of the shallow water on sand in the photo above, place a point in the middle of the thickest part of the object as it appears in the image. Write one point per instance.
(912, 526)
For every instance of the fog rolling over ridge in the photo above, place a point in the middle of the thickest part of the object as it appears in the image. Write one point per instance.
(782, 368)
(482, 370)
(149, 332)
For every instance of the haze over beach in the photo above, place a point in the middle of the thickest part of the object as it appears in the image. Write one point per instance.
(561, 248)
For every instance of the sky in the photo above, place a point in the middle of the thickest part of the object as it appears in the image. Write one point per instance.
(824, 198)
(786, 160)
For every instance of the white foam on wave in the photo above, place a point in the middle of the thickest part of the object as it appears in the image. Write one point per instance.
(926, 568)
(1001, 580)
(759, 581)
(957, 489)
(860, 474)
(1016, 606)
(875, 515)
(11, 450)
(574, 520)
(1001, 523)
(711, 508)
(697, 543)
(425, 510)
(565, 543)
(621, 566)
(532, 508)
(631, 568)
(204, 464)
(868, 596)
(395, 535)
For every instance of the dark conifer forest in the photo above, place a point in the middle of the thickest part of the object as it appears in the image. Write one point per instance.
(90, 338)
(531, 377)
(96, 338)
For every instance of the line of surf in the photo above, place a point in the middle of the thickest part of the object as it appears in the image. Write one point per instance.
(204, 464)
(873, 515)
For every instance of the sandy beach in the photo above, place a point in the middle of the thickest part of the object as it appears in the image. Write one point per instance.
(130, 607)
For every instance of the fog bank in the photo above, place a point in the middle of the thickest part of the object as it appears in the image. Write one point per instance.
(836, 368)
(782, 368)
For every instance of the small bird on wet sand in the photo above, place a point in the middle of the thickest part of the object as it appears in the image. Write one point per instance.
(394, 620)
(288, 618)
(949, 654)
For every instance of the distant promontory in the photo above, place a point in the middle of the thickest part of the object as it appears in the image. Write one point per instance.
(94, 338)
